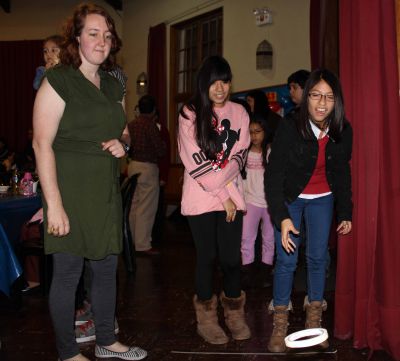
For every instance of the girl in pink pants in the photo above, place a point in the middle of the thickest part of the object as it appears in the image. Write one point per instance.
(257, 209)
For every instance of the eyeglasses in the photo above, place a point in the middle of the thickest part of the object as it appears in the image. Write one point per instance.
(318, 96)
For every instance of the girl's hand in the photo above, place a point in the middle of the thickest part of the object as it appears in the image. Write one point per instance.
(230, 209)
(115, 147)
(286, 227)
(58, 222)
(52, 62)
(344, 227)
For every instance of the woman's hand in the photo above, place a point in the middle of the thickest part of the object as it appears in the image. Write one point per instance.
(57, 221)
(344, 227)
(286, 227)
(115, 147)
(230, 209)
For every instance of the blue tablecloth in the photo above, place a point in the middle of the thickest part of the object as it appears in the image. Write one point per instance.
(14, 212)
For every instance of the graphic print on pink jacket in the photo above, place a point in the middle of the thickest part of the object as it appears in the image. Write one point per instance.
(207, 184)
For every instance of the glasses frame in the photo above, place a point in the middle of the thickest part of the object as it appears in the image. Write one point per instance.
(318, 96)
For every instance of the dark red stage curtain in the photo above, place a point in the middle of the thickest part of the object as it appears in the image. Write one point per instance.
(367, 306)
(157, 68)
(18, 61)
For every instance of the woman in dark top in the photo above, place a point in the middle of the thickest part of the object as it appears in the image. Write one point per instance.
(307, 174)
(80, 133)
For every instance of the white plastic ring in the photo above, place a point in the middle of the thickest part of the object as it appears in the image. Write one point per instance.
(317, 335)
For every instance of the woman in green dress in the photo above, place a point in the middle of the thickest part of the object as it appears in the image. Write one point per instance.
(79, 134)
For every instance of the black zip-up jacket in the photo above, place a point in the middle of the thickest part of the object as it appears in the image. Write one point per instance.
(291, 165)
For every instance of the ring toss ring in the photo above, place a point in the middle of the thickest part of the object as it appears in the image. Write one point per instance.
(317, 335)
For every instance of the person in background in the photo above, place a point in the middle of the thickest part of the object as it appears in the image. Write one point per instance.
(257, 209)
(296, 82)
(164, 164)
(258, 102)
(243, 103)
(118, 73)
(3, 148)
(147, 148)
(80, 133)
(308, 173)
(51, 57)
(25, 160)
(6, 157)
(213, 138)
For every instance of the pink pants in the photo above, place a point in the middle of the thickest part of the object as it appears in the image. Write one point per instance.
(251, 221)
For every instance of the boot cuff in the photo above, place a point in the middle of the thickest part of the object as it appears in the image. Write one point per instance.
(307, 302)
(233, 303)
(207, 305)
(271, 307)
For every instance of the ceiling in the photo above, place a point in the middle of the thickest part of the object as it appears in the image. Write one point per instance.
(5, 4)
(116, 4)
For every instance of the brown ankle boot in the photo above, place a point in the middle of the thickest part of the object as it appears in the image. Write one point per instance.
(279, 332)
(314, 316)
(234, 316)
(207, 321)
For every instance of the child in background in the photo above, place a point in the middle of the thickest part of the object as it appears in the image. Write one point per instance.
(257, 208)
(51, 53)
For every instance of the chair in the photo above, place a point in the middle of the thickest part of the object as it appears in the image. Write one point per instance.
(127, 191)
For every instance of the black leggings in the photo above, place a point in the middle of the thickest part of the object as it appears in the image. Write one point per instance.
(67, 270)
(210, 233)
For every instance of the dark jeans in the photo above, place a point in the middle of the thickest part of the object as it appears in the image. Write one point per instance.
(317, 218)
(212, 235)
(67, 271)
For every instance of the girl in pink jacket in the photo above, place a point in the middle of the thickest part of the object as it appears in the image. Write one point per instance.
(213, 142)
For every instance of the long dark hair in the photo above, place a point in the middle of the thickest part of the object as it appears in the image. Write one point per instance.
(262, 122)
(73, 28)
(261, 104)
(335, 120)
(212, 69)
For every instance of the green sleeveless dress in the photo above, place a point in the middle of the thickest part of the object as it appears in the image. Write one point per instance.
(88, 177)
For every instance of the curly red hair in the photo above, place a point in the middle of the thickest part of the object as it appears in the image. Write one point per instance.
(73, 28)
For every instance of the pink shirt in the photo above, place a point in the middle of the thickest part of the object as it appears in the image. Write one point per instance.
(206, 185)
(254, 183)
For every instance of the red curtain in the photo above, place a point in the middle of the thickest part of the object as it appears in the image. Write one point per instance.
(157, 68)
(18, 61)
(368, 274)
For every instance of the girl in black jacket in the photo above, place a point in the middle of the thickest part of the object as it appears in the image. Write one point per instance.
(307, 174)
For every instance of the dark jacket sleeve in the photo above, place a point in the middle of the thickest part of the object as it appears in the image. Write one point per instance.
(275, 173)
(342, 174)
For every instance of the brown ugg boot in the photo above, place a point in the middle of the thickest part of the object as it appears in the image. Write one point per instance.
(281, 315)
(207, 321)
(234, 316)
(314, 316)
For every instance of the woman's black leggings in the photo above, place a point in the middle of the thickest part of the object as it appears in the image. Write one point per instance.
(212, 235)
(67, 270)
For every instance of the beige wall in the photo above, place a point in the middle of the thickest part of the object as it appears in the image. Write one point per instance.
(37, 19)
(289, 36)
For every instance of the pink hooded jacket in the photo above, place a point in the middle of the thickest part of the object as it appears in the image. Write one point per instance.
(206, 184)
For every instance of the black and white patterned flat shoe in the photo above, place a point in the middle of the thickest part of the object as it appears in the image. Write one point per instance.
(134, 353)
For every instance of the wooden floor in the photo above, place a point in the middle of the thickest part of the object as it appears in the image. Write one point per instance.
(154, 311)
